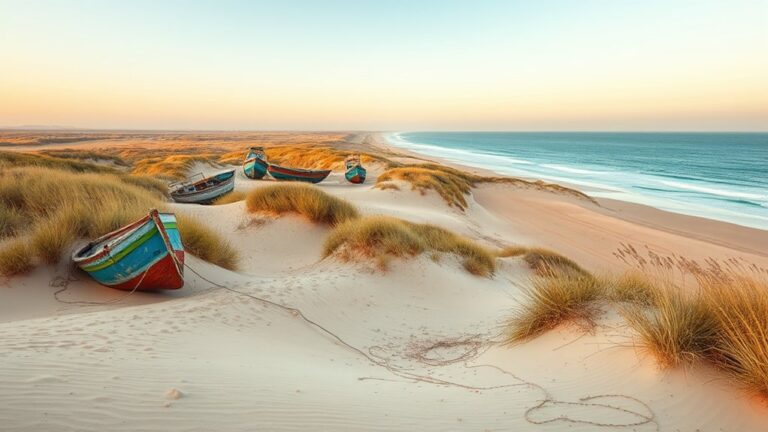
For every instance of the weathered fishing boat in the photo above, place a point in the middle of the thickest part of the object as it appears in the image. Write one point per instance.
(297, 174)
(255, 165)
(205, 190)
(355, 173)
(146, 255)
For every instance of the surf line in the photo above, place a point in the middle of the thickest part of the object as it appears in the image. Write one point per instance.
(592, 401)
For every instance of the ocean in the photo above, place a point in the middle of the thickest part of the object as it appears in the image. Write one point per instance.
(722, 176)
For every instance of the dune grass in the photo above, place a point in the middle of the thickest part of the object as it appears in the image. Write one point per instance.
(453, 184)
(18, 159)
(384, 237)
(171, 167)
(739, 305)
(85, 155)
(230, 198)
(555, 299)
(543, 262)
(15, 257)
(206, 244)
(317, 157)
(679, 329)
(48, 209)
(633, 287)
(302, 199)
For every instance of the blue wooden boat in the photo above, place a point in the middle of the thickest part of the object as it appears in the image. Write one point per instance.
(205, 190)
(144, 256)
(297, 174)
(355, 173)
(255, 165)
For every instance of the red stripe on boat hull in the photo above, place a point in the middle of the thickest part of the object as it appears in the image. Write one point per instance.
(163, 275)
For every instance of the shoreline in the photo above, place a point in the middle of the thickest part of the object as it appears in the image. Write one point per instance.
(725, 237)
(597, 191)
(741, 237)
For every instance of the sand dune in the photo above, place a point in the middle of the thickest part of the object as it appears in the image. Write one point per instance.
(420, 342)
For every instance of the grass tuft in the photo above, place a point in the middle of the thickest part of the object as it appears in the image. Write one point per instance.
(680, 328)
(453, 184)
(739, 305)
(558, 298)
(15, 257)
(305, 200)
(383, 238)
(230, 198)
(543, 262)
(206, 244)
(633, 287)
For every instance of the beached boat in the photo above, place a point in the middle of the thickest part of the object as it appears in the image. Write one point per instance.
(255, 165)
(146, 255)
(297, 174)
(355, 173)
(205, 190)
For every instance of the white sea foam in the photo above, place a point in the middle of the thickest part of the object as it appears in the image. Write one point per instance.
(715, 191)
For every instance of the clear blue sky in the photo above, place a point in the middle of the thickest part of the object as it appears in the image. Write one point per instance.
(504, 65)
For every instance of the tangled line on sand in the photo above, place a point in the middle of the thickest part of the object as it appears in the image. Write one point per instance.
(471, 347)
(475, 347)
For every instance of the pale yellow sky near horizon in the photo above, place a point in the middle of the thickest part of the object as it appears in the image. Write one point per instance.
(496, 66)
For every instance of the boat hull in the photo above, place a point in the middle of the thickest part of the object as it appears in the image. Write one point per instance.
(356, 174)
(143, 256)
(294, 174)
(255, 168)
(209, 194)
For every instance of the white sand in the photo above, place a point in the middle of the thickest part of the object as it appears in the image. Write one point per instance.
(205, 358)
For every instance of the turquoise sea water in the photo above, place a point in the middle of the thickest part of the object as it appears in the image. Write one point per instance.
(721, 176)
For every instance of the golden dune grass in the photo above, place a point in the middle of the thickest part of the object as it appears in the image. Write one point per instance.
(51, 208)
(15, 257)
(739, 305)
(206, 244)
(680, 328)
(383, 237)
(632, 287)
(543, 262)
(85, 155)
(302, 199)
(453, 184)
(555, 299)
(317, 157)
(230, 198)
(18, 159)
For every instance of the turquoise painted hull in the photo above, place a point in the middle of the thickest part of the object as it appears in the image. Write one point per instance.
(139, 258)
(255, 168)
(356, 174)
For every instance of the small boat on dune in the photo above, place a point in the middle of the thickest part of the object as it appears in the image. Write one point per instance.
(255, 165)
(205, 190)
(145, 255)
(354, 171)
(297, 174)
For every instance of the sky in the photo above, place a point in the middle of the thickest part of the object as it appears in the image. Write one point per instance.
(386, 65)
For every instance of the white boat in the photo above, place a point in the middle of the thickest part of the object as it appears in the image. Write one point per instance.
(205, 190)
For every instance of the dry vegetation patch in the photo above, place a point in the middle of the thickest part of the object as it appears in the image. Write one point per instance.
(203, 242)
(44, 210)
(453, 184)
(318, 157)
(543, 262)
(720, 318)
(383, 238)
(230, 198)
(555, 299)
(302, 199)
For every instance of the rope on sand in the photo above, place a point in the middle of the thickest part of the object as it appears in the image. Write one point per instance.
(477, 349)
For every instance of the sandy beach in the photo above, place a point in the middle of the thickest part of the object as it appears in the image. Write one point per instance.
(415, 347)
